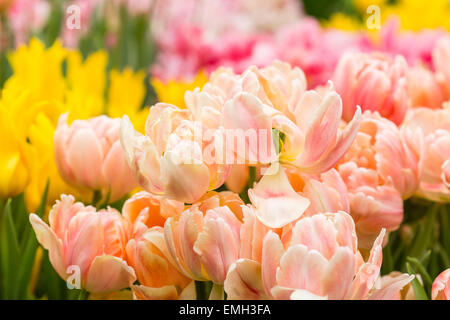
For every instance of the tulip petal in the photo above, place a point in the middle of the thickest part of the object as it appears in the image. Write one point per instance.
(109, 273)
(244, 281)
(147, 293)
(276, 201)
(391, 289)
(48, 239)
(271, 255)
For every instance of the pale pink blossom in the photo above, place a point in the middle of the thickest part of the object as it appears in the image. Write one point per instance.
(374, 82)
(26, 16)
(434, 125)
(89, 155)
(320, 260)
(380, 170)
(80, 238)
(174, 158)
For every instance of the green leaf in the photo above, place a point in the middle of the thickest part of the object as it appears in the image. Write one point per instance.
(421, 269)
(419, 291)
(424, 236)
(10, 253)
(388, 261)
(29, 253)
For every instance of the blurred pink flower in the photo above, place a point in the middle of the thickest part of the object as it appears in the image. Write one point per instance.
(26, 16)
(316, 50)
(416, 47)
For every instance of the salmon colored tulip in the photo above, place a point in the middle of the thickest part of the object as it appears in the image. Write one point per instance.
(158, 277)
(380, 170)
(147, 251)
(374, 82)
(145, 210)
(441, 286)
(88, 154)
(327, 192)
(79, 237)
(319, 261)
(435, 156)
(204, 240)
(174, 158)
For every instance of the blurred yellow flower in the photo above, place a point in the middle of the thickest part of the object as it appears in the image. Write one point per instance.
(86, 82)
(413, 15)
(126, 95)
(38, 70)
(362, 5)
(418, 14)
(14, 165)
(44, 166)
(173, 91)
(343, 22)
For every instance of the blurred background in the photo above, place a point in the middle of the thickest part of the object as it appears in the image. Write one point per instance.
(134, 31)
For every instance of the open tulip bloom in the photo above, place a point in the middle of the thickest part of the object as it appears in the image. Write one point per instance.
(254, 155)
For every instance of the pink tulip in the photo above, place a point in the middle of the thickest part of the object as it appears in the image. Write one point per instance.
(424, 88)
(416, 47)
(441, 55)
(325, 138)
(380, 170)
(204, 240)
(317, 50)
(374, 82)
(175, 157)
(319, 261)
(79, 238)
(441, 286)
(434, 125)
(88, 154)
(27, 16)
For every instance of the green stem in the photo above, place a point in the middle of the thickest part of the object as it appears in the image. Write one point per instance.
(83, 295)
(203, 289)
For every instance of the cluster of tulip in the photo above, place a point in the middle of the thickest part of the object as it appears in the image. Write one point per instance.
(318, 172)
(326, 172)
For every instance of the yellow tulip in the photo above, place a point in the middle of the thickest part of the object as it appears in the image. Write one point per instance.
(173, 91)
(44, 169)
(126, 95)
(39, 70)
(14, 167)
(86, 84)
